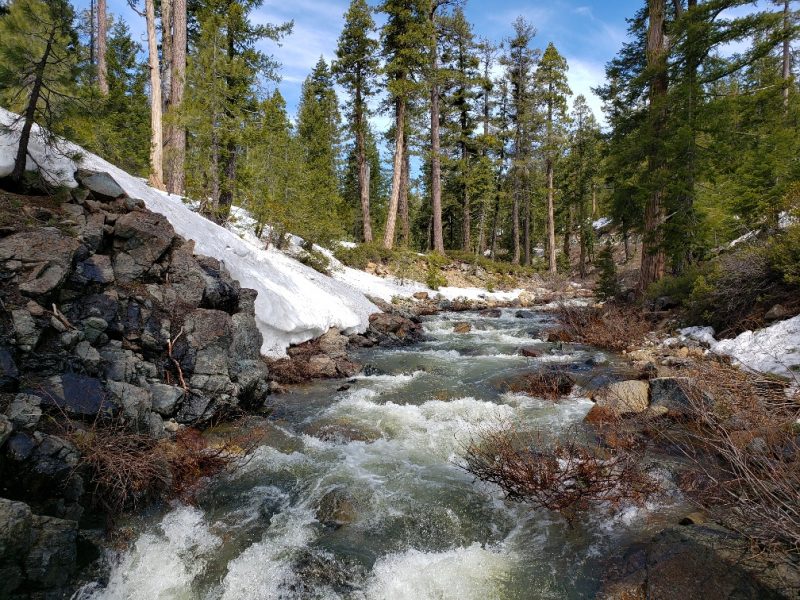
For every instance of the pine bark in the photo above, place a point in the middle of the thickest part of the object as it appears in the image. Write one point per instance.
(397, 173)
(363, 171)
(102, 44)
(787, 55)
(436, 166)
(653, 257)
(515, 218)
(405, 226)
(156, 134)
(176, 133)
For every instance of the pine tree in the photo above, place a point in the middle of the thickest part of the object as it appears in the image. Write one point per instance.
(608, 283)
(520, 63)
(405, 37)
(551, 96)
(39, 65)
(318, 128)
(356, 69)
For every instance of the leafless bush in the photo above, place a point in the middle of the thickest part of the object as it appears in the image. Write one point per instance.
(743, 447)
(550, 385)
(128, 469)
(611, 327)
(565, 477)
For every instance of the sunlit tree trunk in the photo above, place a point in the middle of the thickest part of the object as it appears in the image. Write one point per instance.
(176, 136)
(102, 37)
(397, 173)
(156, 136)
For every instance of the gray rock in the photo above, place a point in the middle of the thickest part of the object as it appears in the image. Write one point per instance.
(91, 232)
(88, 355)
(777, 313)
(93, 330)
(20, 446)
(6, 429)
(221, 292)
(26, 332)
(133, 401)
(24, 411)
(16, 521)
(211, 361)
(120, 365)
(153, 425)
(101, 184)
(247, 338)
(77, 395)
(671, 393)
(140, 239)
(44, 257)
(95, 269)
(165, 398)
(69, 339)
(192, 408)
(52, 558)
(55, 459)
(336, 509)
(9, 373)
(186, 276)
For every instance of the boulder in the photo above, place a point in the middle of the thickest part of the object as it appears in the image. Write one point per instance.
(165, 398)
(77, 395)
(88, 355)
(16, 521)
(24, 411)
(26, 331)
(321, 366)
(6, 429)
(119, 364)
(462, 327)
(42, 258)
(332, 343)
(421, 295)
(220, 291)
(95, 269)
(102, 185)
(9, 373)
(247, 339)
(394, 328)
(140, 239)
(695, 561)
(192, 408)
(671, 393)
(132, 401)
(624, 397)
(336, 509)
(524, 314)
(187, 278)
(530, 352)
(52, 557)
(492, 313)
(778, 313)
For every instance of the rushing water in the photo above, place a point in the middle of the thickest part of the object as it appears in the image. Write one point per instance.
(422, 528)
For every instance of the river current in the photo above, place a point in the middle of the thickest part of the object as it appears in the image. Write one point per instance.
(418, 526)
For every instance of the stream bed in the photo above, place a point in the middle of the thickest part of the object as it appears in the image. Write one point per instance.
(383, 457)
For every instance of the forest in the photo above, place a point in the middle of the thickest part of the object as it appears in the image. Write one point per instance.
(489, 154)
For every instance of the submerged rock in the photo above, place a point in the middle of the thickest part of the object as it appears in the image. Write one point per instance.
(336, 509)
(462, 327)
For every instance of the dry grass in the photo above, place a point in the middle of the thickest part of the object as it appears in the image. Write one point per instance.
(744, 450)
(565, 477)
(611, 327)
(129, 469)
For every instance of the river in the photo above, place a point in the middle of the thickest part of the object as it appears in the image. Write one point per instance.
(418, 526)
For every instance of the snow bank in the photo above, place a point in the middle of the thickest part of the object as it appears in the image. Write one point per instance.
(774, 349)
(295, 303)
(601, 223)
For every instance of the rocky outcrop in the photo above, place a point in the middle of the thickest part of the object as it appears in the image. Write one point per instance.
(109, 316)
(325, 357)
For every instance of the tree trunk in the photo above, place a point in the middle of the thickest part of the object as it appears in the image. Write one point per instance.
(653, 257)
(156, 136)
(397, 173)
(584, 241)
(495, 219)
(166, 55)
(176, 133)
(515, 218)
(551, 221)
(568, 232)
(405, 227)
(363, 170)
(102, 38)
(526, 231)
(92, 29)
(787, 56)
(436, 167)
(30, 110)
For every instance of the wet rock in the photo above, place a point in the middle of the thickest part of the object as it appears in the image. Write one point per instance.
(550, 384)
(9, 373)
(624, 397)
(52, 556)
(524, 314)
(44, 257)
(192, 408)
(698, 561)
(77, 395)
(336, 509)
(24, 411)
(140, 239)
(342, 431)
(530, 352)
(491, 313)
(462, 327)
(360, 341)
(165, 398)
(251, 376)
(393, 328)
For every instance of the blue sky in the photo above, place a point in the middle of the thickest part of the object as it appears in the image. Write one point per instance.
(587, 32)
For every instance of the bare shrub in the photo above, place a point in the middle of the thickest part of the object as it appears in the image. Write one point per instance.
(744, 452)
(128, 469)
(611, 327)
(550, 385)
(565, 477)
